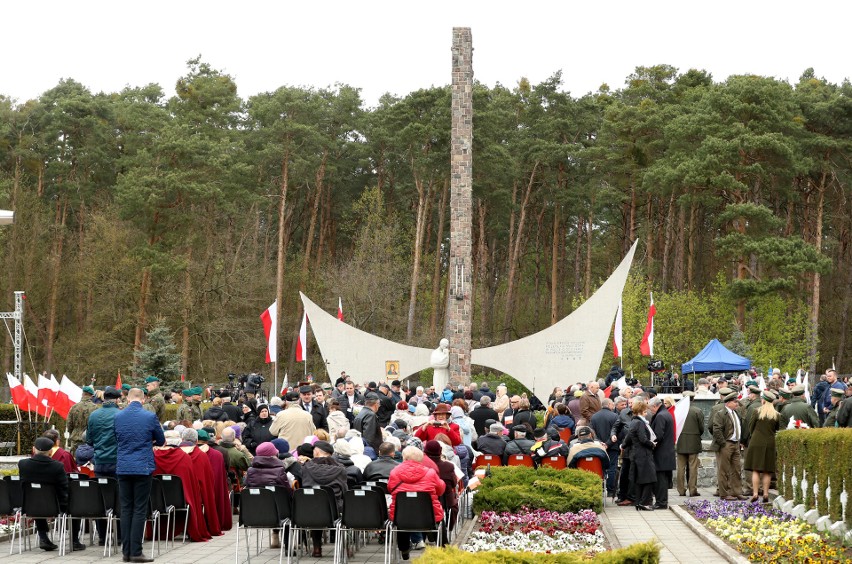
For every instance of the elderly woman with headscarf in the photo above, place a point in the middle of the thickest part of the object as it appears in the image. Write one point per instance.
(358, 457)
(421, 416)
(258, 431)
(343, 455)
(465, 423)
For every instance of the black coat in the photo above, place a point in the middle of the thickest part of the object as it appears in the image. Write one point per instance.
(602, 423)
(386, 409)
(642, 452)
(233, 412)
(257, 432)
(664, 453)
(44, 470)
(480, 415)
(318, 413)
(621, 427)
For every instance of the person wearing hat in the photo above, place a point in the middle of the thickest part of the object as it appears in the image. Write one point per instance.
(100, 435)
(260, 429)
(518, 442)
(760, 457)
(688, 448)
(83, 457)
(294, 423)
(135, 431)
(313, 407)
(41, 469)
(837, 396)
(727, 435)
(78, 419)
(122, 401)
(439, 424)
(156, 404)
(493, 442)
(324, 470)
(268, 470)
(797, 408)
(546, 443)
(190, 409)
(720, 406)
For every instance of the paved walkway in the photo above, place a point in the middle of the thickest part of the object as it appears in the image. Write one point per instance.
(625, 526)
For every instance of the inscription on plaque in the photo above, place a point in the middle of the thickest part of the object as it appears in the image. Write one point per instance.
(565, 350)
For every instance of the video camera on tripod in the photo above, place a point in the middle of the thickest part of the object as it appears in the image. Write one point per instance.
(245, 383)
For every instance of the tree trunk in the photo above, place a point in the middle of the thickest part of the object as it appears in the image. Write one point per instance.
(320, 182)
(813, 337)
(578, 253)
(587, 279)
(690, 261)
(61, 215)
(436, 271)
(667, 242)
(679, 248)
(632, 223)
(187, 309)
(649, 239)
(515, 258)
(423, 193)
(554, 269)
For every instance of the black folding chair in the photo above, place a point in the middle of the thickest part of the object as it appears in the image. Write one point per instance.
(8, 509)
(41, 502)
(173, 492)
(364, 510)
(266, 507)
(108, 488)
(413, 513)
(313, 508)
(153, 517)
(85, 502)
(159, 504)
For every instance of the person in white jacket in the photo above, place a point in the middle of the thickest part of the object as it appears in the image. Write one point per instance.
(336, 420)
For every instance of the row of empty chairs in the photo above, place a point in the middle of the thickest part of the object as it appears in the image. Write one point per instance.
(89, 500)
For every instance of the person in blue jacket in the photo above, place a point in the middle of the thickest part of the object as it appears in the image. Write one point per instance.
(136, 433)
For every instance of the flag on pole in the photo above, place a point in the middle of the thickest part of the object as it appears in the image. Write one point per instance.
(269, 318)
(68, 395)
(284, 385)
(32, 397)
(607, 391)
(46, 394)
(679, 412)
(302, 343)
(616, 336)
(647, 346)
(118, 381)
(340, 308)
(19, 394)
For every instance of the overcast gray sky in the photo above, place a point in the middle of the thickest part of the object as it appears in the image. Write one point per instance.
(397, 46)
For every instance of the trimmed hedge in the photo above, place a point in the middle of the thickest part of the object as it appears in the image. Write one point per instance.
(821, 455)
(511, 487)
(639, 553)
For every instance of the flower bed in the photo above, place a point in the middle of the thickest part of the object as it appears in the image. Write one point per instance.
(766, 534)
(537, 530)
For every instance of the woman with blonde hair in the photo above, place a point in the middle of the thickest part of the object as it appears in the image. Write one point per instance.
(501, 404)
(760, 456)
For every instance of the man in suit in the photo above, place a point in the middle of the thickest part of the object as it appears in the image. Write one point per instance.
(312, 406)
(664, 453)
(41, 469)
(727, 434)
(688, 449)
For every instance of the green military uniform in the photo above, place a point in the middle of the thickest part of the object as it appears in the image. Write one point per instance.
(831, 418)
(190, 410)
(156, 404)
(797, 408)
(78, 419)
(122, 401)
(688, 448)
(729, 470)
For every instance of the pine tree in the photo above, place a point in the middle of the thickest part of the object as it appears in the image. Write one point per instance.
(158, 356)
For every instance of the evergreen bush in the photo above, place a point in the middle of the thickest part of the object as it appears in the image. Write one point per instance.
(511, 487)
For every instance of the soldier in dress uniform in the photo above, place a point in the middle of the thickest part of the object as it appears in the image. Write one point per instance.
(798, 408)
(78, 419)
(836, 398)
(688, 448)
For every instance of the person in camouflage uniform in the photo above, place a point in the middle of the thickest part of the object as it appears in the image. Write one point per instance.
(156, 404)
(122, 402)
(190, 409)
(78, 419)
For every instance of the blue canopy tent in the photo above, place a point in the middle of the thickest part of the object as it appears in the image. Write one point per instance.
(716, 358)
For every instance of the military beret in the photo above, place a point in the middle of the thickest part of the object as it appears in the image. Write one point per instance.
(88, 390)
(197, 391)
(187, 392)
(750, 383)
(754, 389)
(150, 379)
(112, 393)
(324, 446)
(798, 390)
(837, 392)
(768, 395)
(730, 397)
(785, 394)
(791, 381)
(125, 387)
(203, 435)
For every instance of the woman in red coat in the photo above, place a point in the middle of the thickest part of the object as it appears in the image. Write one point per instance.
(440, 424)
(413, 476)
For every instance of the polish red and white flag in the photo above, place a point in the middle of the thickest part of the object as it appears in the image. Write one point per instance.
(32, 397)
(269, 318)
(69, 394)
(340, 309)
(647, 346)
(47, 390)
(19, 394)
(302, 343)
(679, 412)
(616, 335)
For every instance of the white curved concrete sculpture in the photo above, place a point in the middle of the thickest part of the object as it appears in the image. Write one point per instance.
(568, 351)
(363, 356)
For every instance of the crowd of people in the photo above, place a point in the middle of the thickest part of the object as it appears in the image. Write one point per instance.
(343, 435)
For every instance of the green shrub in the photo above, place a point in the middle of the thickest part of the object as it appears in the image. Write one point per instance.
(639, 553)
(29, 430)
(821, 455)
(511, 487)
(9, 472)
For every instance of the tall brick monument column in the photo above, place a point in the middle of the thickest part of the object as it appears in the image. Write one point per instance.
(460, 301)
